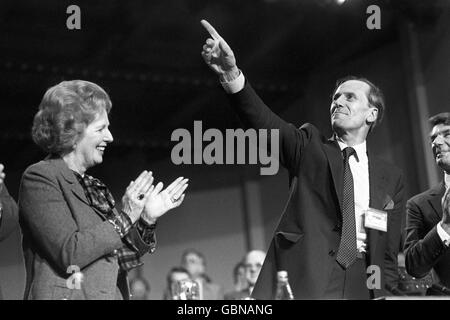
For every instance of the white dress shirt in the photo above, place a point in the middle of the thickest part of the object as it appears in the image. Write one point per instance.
(236, 85)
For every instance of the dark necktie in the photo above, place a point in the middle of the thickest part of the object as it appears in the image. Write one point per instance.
(347, 248)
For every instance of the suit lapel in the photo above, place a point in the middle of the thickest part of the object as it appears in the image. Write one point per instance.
(378, 198)
(75, 186)
(435, 197)
(335, 160)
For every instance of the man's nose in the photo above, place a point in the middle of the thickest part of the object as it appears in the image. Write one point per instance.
(334, 106)
(439, 140)
(341, 100)
(337, 103)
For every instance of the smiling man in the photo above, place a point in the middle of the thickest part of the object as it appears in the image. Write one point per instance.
(428, 213)
(333, 234)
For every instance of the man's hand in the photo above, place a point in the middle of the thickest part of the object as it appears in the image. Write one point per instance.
(218, 55)
(159, 202)
(445, 222)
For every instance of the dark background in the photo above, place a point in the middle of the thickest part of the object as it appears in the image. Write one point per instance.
(146, 55)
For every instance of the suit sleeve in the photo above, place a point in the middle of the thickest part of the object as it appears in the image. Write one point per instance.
(254, 113)
(422, 250)
(394, 236)
(142, 237)
(47, 217)
(10, 216)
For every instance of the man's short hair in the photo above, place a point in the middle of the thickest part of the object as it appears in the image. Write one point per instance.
(175, 270)
(375, 97)
(194, 252)
(440, 118)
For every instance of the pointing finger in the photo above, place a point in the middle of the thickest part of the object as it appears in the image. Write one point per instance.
(214, 34)
(225, 47)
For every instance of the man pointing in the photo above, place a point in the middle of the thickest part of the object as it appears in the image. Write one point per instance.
(349, 202)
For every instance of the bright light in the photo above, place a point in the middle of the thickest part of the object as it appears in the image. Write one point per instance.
(339, 2)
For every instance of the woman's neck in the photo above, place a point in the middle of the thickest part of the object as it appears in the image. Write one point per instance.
(74, 163)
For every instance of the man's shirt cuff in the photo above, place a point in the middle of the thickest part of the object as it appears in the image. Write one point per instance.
(445, 237)
(234, 86)
(147, 233)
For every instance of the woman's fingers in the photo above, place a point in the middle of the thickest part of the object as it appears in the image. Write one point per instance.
(181, 185)
(172, 186)
(177, 195)
(179, 201)
(147, 185)
(133, 185)
(140, 185)
(147, 194)
(157, 188)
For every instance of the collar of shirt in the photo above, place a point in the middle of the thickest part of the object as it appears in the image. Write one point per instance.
(447, 180)
(361, 150)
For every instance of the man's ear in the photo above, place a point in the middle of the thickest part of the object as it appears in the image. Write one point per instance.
(372, 116)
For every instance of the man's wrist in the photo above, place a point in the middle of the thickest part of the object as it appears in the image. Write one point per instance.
(443, 230)
(231, 75)
(445, 227)
(235, 85)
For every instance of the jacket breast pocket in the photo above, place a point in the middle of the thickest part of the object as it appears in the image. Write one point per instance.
(288, 239)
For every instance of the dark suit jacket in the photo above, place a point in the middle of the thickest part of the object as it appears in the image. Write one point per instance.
(9, 220)
(424, 248)
(60, 229)
(307, 237)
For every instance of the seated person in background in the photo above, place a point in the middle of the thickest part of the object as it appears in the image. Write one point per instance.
(8, 212)
(428, 214)
(194, 262)
(140, 288)
(239, 280)
(175, 274)
(239, 277)
(253, 262)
